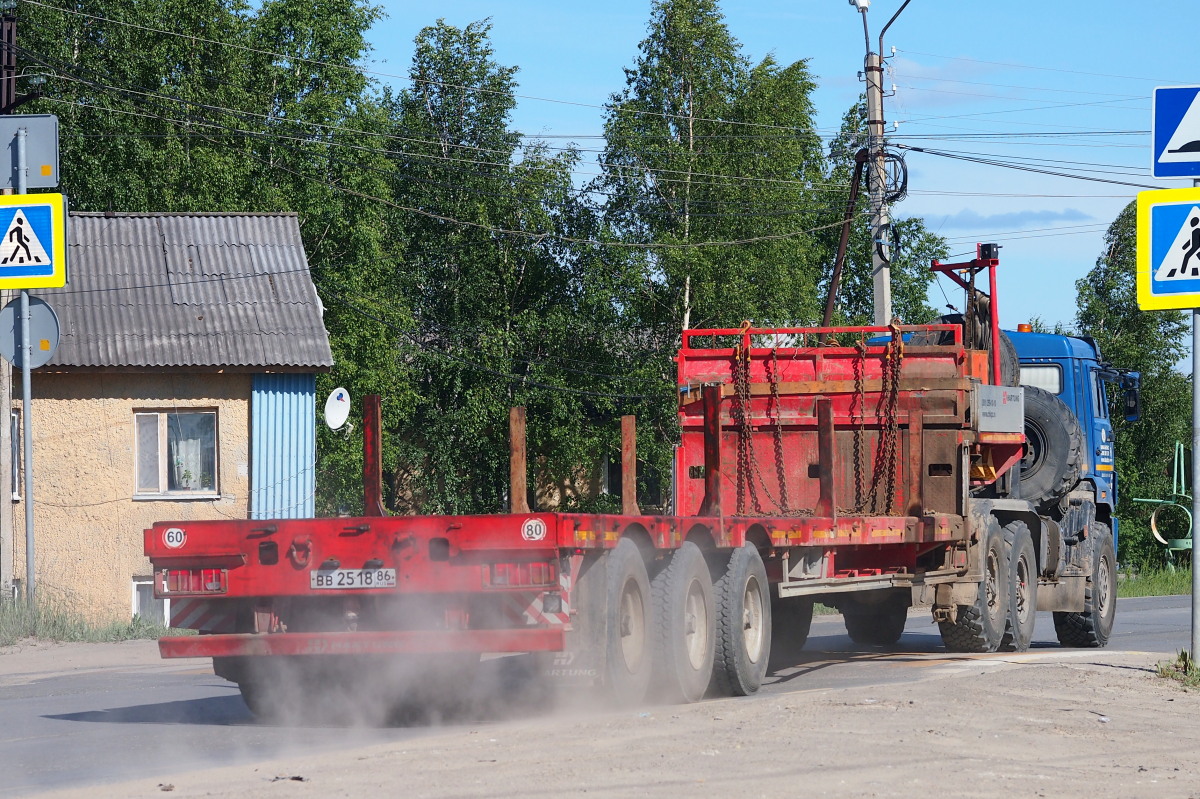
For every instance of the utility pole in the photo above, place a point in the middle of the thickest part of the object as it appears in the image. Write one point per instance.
(881, 221)
(8, 96)
(881, 253)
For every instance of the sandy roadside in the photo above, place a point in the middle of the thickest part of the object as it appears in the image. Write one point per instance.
(1055, 724)
(38, 660)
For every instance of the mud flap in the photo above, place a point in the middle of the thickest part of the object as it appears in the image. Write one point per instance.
(1064, 594)
(949, 596)
(581, 662)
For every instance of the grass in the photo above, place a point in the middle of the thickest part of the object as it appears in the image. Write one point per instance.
(48, 621)
(1155, 582)
(1182, 669)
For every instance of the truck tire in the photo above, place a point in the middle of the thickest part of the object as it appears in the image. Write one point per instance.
(743, 624)
(1093, 626)
(791, 620)
(1054, 451)
(980, 627)
(254, 694)
(275, 689)
(627, 664)
(1023, 582)
(421, 689)
(1010, 362)
(685, 630)
(877, 624)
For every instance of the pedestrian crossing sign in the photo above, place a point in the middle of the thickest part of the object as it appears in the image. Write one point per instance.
(33, 252)
(1168, 249)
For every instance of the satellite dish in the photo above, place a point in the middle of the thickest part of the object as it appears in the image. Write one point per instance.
(337, 408)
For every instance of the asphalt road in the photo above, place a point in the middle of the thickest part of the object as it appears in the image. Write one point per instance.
(117, 723)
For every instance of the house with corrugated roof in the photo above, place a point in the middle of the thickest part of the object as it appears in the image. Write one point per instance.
(183, 387)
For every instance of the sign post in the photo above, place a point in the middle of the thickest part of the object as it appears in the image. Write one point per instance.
(1168, 278)
(1168, 244)
(33, 254)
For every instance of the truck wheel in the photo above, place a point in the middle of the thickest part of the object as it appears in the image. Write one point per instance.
(1093, 626)
(683, 602)
(255, 696)
(877, 624)
(1054, 449)
(274, 689)
(980, 627)
(1023, 581)
(627, 644)
(424, 689)
(791, 620)
(743, 624)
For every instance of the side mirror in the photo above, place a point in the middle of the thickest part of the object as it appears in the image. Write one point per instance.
(1133, 404)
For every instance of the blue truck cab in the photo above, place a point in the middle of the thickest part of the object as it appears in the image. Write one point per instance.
(1071, 368)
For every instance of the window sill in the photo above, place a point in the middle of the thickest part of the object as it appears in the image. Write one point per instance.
(198, 495)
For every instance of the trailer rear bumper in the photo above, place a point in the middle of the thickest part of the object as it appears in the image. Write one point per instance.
(362, 643)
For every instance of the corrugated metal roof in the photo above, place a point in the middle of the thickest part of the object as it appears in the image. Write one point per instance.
(219, 290)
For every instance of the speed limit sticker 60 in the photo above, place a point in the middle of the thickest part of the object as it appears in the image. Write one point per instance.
(174, 537)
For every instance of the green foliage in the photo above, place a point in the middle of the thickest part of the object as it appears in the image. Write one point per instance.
(1156, 582)
(1151, 343)
(1040, 325)
(461, 269)
(501, 318)
(702, 147)
(152, 122)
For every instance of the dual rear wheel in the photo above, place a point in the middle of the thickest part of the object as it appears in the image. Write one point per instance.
(698, 624)
(1002, 616)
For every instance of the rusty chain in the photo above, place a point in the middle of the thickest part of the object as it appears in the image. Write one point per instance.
(860, 431)
(780, 473)
(748, 470)
(887, 412)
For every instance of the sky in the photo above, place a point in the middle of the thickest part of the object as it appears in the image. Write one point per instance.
(1055, 87)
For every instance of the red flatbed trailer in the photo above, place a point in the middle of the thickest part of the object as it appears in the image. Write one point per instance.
(865, 466)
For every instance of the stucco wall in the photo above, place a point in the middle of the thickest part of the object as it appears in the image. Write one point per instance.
(87, 526)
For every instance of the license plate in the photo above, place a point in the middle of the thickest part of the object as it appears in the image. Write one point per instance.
(352, 578)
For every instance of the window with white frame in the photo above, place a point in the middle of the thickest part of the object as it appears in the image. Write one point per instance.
(176, 452)
(156, 611)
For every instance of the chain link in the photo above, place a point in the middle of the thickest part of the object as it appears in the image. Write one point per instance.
(860, 432)
(741, 416)
(889, 429)
(780, 472)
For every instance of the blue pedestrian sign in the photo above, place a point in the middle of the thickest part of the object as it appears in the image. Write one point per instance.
(33, 252)
(1168, 249)
(1175, 132)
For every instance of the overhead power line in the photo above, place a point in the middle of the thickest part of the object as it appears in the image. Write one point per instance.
(1040, 69)
(365, 71)
(534, 235)
(1022, 167)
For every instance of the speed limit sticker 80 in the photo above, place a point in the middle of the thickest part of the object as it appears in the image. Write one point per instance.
(174, 537)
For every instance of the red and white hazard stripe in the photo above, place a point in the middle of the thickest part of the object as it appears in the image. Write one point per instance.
(203, 614)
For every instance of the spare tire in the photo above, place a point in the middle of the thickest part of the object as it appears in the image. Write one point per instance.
(1010, 364)
(1053, 459)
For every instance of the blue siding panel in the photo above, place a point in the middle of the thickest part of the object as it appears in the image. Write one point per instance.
(283, 446)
